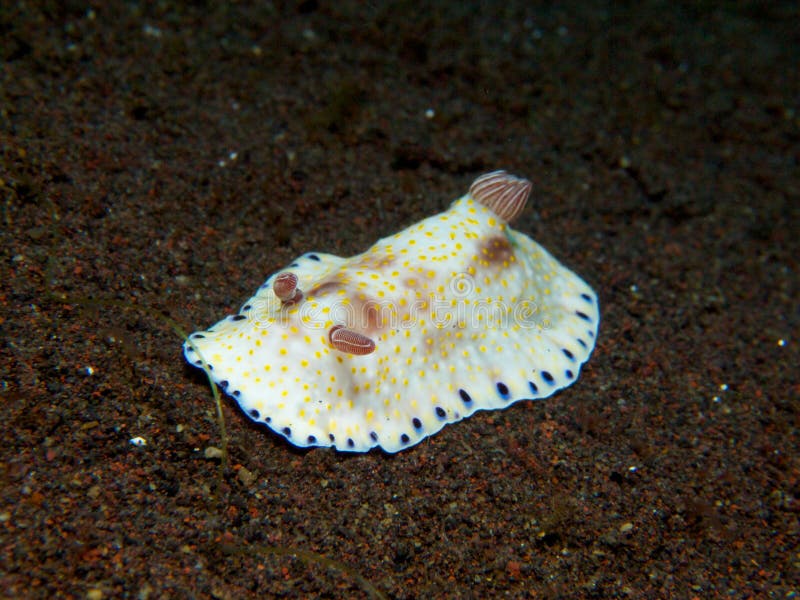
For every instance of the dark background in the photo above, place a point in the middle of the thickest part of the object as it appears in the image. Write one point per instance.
(161, 159)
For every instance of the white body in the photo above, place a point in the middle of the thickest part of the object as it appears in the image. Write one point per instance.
(466, 314)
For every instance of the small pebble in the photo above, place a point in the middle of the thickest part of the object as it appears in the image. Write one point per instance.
(246, 476)
(212, 452)
(626, 527)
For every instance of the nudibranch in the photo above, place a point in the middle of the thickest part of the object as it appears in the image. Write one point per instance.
(455, 314)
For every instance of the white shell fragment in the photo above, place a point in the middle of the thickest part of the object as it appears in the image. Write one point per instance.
(455, 314)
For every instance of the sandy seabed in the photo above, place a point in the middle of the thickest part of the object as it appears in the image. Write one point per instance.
(163, 160)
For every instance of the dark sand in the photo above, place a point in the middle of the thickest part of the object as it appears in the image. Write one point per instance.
(663, 143)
